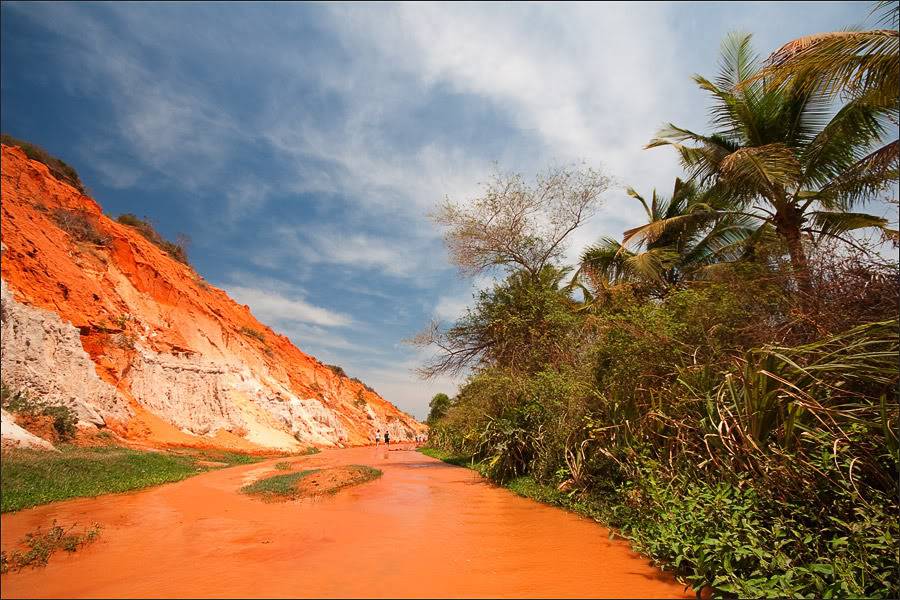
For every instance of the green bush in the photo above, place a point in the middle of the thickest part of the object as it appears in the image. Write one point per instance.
(714, 427)
(19, 401)
(337, 370)
(41, 546)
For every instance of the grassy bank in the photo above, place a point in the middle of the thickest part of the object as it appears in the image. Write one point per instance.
(290, 486)
(30, 478)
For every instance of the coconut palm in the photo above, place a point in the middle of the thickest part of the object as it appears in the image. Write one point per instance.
(860, 65)
(692, 229)
(856, 63)
(784, 154)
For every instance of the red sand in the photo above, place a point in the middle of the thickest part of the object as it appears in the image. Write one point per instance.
(424, 529)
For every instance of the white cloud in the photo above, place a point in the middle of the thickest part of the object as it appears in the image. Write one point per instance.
(403, 255)
(275, 308)
(561, 83)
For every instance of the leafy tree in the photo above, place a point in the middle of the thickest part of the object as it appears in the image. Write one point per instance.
(519, 324)
(782, 154)
(439, 406)
(684, 233)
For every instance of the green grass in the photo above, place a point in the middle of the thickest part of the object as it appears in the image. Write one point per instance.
(277, 486)
(284, 487)
(365, 473)
(223, 456)
(30, 477)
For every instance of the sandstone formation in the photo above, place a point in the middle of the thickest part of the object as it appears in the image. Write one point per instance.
(135, 341)
(11, 435)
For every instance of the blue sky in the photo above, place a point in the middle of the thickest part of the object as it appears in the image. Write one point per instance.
(301, 146)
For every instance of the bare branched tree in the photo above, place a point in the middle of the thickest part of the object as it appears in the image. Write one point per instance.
(520, 226)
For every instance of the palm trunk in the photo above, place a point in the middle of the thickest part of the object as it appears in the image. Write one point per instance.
(787, 224)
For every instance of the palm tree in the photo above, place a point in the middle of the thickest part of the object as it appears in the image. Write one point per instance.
(856, 63)
(692, 229)
(782, 153)
(860, 65)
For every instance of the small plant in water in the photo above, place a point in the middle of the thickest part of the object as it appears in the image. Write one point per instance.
(42, 544)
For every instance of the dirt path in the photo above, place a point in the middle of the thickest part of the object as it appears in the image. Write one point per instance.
(423, 529)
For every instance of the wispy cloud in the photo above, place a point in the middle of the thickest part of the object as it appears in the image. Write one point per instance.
(272, 307)
(314, 147)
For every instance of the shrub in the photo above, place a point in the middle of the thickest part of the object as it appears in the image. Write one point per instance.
(19, 401)
(339, 371)
(59, 169)
(733, 429)
(81, 226)
(64, 421)
(254, 333)
(177, 249)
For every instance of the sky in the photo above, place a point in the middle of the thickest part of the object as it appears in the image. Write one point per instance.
(302, 146)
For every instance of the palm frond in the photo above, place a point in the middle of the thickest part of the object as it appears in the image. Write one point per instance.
(843, 142)
(834, 224)
(856, 61)
(762, 168)
(863, 180)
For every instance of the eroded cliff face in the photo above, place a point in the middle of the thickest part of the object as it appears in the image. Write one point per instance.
(136, 342)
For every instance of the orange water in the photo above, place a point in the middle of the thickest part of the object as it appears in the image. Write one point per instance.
(423, 529)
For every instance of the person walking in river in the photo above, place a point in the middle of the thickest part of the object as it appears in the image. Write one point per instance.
(387, 439)
(377, 435)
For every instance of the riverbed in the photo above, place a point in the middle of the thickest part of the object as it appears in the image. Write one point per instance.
(423, 529)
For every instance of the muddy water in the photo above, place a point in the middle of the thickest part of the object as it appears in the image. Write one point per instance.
(423, 529)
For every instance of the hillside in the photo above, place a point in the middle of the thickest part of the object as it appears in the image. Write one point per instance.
(99, 318)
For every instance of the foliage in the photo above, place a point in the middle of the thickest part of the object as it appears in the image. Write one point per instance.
(59, 169)
(19, 401)
(337, 370)
(277, 486)
(176, 249)
(783, 155)
(689, 231)
(438, 407)
(734, 430)
(254, 333)
(521, 322)
(861, 64)
(284, 487)
(514, 224)
(33, 477)
(41, 545)
(81, 226)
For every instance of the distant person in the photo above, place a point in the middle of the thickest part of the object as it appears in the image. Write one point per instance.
(377, 435)
(387, 438)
